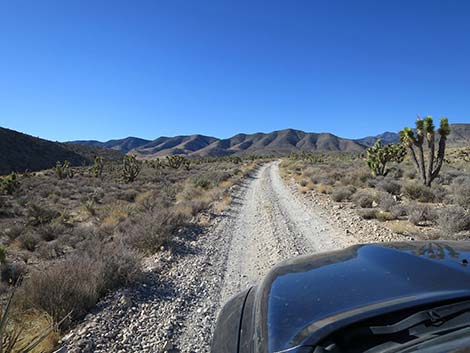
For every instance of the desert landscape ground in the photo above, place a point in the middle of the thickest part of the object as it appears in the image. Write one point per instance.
(139, 255)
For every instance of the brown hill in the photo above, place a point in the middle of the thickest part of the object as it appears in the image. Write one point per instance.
(20, 152)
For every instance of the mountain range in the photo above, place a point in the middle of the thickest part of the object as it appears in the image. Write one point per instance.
(20, 152)
(274, 143)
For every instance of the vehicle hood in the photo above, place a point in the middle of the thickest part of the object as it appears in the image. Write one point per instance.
(302, 300)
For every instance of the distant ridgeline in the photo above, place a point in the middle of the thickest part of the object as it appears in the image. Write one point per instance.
(20, 152)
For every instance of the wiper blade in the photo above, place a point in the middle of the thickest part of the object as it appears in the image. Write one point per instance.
(430, 315)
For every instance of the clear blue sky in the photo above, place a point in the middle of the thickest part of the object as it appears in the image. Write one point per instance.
(95, 69)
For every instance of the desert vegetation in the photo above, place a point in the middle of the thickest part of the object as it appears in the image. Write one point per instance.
(424, 193)
(69, 235)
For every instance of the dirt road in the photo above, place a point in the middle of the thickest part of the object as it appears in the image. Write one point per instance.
(175, 310)
(268, 224)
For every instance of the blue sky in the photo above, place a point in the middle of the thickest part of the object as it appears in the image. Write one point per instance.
(95, 69)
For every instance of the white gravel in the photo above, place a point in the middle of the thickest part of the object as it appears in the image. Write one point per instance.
(176, 308)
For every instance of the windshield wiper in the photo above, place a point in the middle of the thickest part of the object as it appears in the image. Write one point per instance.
(434, 315)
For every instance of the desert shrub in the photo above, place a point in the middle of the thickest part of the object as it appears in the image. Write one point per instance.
(150, 230)
(421, 214)
(368, 213)
(440, 193)
(390, 186)
(38, 214)
(461, 191)
(127, 195)
(453, 219)
(28, 241)
(76, 283)
(14, 231)
(202, 182)
(357, 178)
(343, 193)
(410, 174)
(120, 265)
(218, 176)
(48, 250)
(303, 182)
(417, 191)
(386, 201)
(364, 198)
(49, 232)
(68, 286)
(399, 211)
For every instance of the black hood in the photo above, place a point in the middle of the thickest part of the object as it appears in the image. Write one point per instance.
(302, 300)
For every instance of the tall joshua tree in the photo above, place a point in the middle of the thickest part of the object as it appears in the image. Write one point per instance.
(427, 168)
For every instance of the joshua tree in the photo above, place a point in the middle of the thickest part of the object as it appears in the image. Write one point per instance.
(379, 155)
(9, 184)
(98, 167)
(130, 168)
(63, 170)
(176, 161)
(428, 169)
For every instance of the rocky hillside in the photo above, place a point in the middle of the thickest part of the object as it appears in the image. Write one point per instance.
(20, 152)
